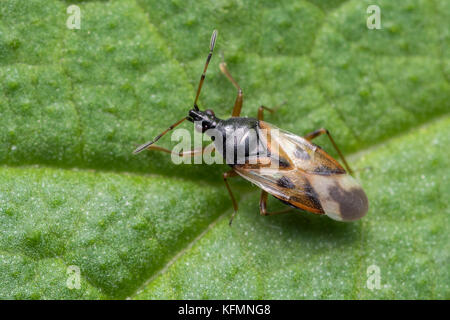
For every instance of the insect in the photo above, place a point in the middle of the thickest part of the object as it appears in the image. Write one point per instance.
(305, 177)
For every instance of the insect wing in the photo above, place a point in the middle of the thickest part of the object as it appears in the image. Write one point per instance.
(301, 153)
(285, 185)
(311, 181)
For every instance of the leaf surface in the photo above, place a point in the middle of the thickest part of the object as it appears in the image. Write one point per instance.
(75, 103)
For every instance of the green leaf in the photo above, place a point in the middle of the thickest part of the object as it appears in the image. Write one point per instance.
(303, 256)
(75, 103)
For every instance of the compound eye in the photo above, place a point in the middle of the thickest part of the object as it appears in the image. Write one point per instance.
(209, 112)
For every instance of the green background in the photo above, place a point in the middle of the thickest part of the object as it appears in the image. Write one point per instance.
(75, 103)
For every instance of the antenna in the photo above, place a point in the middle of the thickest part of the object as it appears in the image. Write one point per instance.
(202, 78)
(148, 144)
(211, 49)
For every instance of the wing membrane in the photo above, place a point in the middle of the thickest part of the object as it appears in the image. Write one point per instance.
(289, 170)
(304, 155)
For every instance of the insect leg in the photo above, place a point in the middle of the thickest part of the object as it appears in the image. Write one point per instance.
(322, 131)
(263, 206)
(240, 96)
(227, 175)
(261, 112)
(271, 110)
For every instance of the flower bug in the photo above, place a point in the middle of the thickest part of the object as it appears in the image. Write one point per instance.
(305, 178)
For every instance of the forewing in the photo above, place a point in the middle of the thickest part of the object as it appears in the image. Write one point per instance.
(302, 154)
(305, 176)
(338, 196)
(285, 185)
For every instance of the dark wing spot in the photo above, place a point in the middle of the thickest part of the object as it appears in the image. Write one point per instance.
(285, 182)
(283, 163)
(353, 204)
(310, 198)
(301, 154)
(327, 171)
